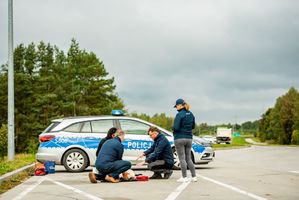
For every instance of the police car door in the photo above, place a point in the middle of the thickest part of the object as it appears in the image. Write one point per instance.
(136, 138)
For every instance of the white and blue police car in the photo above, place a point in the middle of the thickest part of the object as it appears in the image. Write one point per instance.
(73, 141)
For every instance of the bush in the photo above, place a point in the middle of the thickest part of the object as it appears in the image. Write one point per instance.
(32, 146)
(295, 137)
(3, 140)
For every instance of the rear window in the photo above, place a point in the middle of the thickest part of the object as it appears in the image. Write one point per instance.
(51, 127)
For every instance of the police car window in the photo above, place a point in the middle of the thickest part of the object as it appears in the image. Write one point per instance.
(101, 126)
(50, 127)
(74, 128)
(134, 127)
(86, 128)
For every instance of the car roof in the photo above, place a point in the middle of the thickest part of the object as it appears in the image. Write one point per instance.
(64, 122)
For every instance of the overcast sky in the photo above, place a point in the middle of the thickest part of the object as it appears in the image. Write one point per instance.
(229, 59)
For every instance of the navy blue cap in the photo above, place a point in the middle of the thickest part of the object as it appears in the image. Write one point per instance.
(179, 101)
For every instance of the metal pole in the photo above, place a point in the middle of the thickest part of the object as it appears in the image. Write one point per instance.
(11, 105)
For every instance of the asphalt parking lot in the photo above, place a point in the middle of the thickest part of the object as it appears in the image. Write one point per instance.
(258, 172)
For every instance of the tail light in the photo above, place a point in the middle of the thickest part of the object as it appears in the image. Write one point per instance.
(46, 138)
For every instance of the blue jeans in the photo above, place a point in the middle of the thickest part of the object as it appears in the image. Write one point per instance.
(112, 169)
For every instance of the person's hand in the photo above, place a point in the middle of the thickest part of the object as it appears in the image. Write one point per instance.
(140, 164)
(140, 156)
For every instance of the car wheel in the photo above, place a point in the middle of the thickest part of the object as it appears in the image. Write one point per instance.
(177, 164)
(75, 160)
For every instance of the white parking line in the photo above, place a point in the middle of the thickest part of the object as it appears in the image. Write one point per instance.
(24, 193)
(297, 172)
(233, 188)
(177, 192)
(75, 190)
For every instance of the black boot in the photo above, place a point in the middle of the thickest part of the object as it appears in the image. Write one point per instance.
(167, 173)
(156, 175)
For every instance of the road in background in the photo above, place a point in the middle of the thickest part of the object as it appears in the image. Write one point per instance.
(258, 172)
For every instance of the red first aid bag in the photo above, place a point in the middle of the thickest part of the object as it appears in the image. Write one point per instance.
(142, 178)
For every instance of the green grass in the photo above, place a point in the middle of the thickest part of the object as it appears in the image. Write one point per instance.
(19, 161)
(236, 143)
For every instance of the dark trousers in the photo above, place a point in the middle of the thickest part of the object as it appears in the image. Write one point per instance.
(159, 166)
(112, 169)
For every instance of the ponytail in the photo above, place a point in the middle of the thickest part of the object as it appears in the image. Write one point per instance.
(187, 106)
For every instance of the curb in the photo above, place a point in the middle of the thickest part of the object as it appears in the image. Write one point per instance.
(10, 174)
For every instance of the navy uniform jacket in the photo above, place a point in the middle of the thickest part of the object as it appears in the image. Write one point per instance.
(183, 124)
(160, 150)
(100, 145)
(111, 151)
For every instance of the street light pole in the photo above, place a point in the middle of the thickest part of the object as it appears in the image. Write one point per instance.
(11, 105)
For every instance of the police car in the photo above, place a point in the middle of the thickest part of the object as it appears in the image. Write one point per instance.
(73, 141)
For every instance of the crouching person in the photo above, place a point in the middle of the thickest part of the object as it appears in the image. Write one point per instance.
(109, 162)
(159, 156)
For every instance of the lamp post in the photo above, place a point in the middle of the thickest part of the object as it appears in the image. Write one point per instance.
(11, 105)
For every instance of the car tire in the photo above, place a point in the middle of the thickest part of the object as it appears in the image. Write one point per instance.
(177, 164)
(75, 160)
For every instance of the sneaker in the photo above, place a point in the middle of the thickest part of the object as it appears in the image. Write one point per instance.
(183, 180)
(92, 177)
(194, 179)
(156, 176)
(167, 174)
(111, 179)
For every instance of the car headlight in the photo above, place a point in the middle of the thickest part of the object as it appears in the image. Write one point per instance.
(205, 144)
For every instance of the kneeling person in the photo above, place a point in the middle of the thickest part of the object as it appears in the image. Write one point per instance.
(109, 162)
(159, 156)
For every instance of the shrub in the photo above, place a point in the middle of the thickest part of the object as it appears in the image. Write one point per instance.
(295, 137)
(3, 140)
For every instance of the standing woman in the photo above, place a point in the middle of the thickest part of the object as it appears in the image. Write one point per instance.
(184, 122)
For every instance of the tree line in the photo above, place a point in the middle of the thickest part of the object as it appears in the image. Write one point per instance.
(281, 123)
(52, 84)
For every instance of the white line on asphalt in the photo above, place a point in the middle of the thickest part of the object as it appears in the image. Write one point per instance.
(75, 190)
(233, 188)
(20, 196)
(177, 192)
(297, 172)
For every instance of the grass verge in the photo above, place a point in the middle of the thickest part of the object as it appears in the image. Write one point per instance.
(16, 180)
(6, 166)
(237, 142)
(19, 161)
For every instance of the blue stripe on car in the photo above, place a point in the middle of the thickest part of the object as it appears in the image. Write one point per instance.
(92, 142)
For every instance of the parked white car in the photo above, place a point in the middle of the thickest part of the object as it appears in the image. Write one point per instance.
(210, 138)
(73, 141)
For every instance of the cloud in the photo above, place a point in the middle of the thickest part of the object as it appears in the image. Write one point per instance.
(229, 59)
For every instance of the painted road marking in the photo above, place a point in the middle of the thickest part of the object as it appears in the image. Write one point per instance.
(297, 172)
(233, 188)
(177, 192)
(24, 193)
(75, 190)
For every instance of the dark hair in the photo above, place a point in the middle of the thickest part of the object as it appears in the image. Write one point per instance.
(111, 132)
(153, 129)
